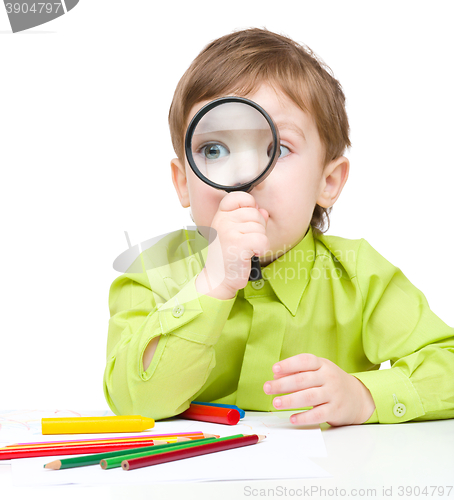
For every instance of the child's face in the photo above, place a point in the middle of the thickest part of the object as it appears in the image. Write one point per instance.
(289, 194)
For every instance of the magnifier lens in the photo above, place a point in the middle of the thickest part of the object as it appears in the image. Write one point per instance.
(232, 145)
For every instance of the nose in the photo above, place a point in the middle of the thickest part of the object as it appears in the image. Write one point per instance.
(260, 187)
(247, 167)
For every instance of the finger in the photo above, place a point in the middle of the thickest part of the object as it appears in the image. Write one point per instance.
(248, 214)
(317, 415)
(235, 200)
(258, 243)
(251, 227)
(293, 383)
(299, 363)
(301, 399)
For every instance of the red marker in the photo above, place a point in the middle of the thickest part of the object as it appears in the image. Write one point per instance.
(214, 414)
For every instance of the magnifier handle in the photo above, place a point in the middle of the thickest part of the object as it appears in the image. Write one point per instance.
(256, 270)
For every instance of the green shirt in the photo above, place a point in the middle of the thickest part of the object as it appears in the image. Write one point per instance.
(333, 297)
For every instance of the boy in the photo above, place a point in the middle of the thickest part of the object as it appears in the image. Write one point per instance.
(328, 311)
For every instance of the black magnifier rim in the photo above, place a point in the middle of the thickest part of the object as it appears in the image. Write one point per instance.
(195, 121)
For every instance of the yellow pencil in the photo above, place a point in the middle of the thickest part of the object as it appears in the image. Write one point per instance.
(91, 425)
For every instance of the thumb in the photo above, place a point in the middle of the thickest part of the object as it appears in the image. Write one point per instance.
(264, 213)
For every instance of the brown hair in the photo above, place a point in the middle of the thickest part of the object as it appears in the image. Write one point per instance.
(243, 60)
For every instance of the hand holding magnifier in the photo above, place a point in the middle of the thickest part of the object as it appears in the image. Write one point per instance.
(232, 144)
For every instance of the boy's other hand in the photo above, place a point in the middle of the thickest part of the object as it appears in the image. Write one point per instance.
(337, 397)
(241, 233)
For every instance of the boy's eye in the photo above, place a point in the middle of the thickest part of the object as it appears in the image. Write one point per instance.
(284, 151)
(214, 151)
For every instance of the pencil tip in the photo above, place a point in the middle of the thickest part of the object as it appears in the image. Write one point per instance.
(53, 465)
(261, 437)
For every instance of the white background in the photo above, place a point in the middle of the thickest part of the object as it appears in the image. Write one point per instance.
(85, 153)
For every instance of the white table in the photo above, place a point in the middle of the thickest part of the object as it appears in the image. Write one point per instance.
(387, 460)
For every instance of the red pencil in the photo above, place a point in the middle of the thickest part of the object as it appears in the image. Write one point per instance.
(45, 444)
(213, 414)
(139, 437)
(6, 454)
(203, 449)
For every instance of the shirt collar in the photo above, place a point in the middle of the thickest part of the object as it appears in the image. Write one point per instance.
(290, 273)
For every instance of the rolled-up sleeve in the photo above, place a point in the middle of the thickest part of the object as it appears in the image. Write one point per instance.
(398, 325)
(188, 324)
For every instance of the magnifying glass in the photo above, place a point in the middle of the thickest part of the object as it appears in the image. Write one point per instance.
(232, 144)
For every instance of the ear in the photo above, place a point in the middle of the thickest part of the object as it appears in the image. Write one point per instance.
(180, 182)
(333, 180)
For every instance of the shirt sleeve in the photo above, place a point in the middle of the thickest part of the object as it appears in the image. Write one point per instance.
(188, 324)
(399, 326)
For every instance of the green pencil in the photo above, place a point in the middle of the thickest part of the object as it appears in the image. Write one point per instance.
(79, 461)
(110, 463)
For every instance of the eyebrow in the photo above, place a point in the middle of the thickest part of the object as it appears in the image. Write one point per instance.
(290, 126)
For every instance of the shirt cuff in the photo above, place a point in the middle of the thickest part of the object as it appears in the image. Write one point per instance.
(373, 419)
(193, 316)
(396, 399)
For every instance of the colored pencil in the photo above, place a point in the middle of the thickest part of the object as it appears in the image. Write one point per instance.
(221, 405)
(140, 437)
(94, 459)
(218, 445)
(110, 463)
(6, 454)
(213, 414)
(63, 444)
(89, 425)
(117, 461)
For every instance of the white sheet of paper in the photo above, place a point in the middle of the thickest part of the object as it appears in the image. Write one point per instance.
(282, 455)
(24, 426)
(235, 464)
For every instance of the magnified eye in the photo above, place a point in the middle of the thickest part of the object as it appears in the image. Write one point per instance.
(214, 151)
(284, 151)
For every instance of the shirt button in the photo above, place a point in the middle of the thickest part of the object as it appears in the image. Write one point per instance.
(257, 285)
(399, 410)
(178, 311)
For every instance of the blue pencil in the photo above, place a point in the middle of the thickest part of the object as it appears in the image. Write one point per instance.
(242, 412)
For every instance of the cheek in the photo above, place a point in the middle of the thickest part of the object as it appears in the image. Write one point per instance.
(292, 188)
(292, 200)
(204, 200)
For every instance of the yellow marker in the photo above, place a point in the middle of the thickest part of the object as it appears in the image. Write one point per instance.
(92, 425)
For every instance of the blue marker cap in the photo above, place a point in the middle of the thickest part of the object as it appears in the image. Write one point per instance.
(242, 412)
